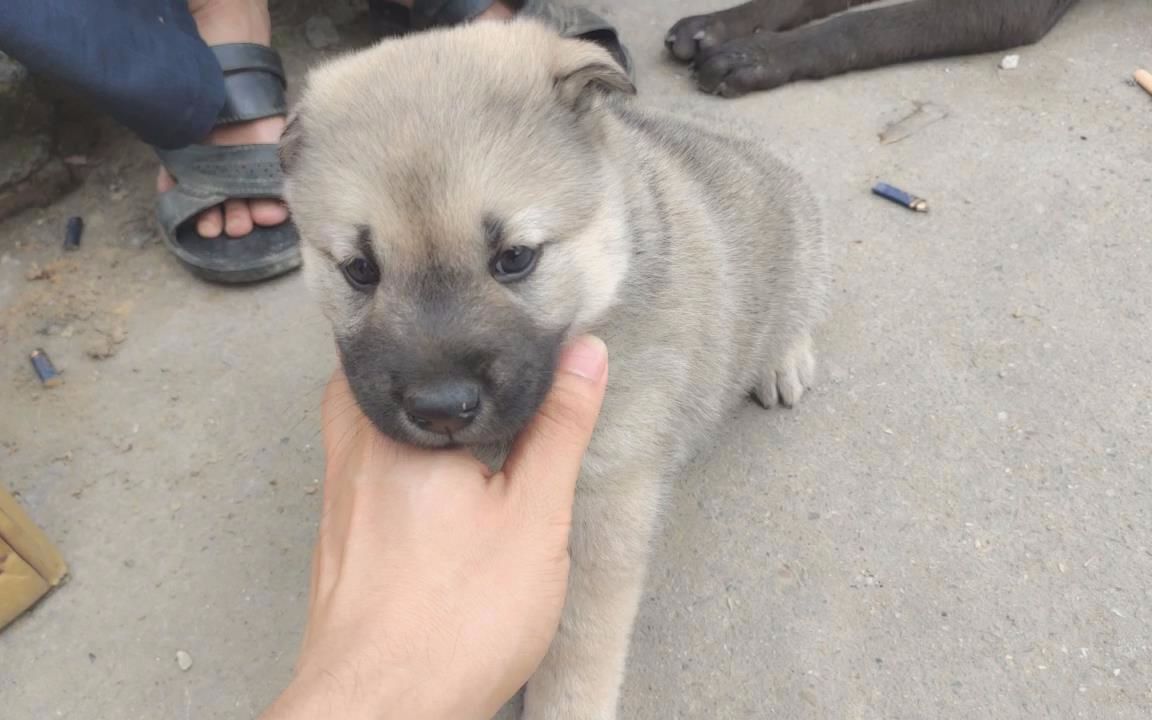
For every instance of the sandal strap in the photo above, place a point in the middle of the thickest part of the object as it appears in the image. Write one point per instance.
(438, 13)
(254, 82)
(207, 175)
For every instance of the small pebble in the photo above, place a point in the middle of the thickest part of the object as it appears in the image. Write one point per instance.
(184, 660)
(35, 272)
(1010, 62)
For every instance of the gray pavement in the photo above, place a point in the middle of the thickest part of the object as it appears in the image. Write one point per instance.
(956, 523)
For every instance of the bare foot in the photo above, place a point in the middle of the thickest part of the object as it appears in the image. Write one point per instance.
(233, 21)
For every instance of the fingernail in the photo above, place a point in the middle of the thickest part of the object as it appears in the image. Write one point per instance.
(586, 356)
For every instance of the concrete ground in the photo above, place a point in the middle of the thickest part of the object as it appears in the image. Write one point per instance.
(956, 523)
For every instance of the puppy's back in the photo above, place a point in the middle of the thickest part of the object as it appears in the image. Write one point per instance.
(765, 231)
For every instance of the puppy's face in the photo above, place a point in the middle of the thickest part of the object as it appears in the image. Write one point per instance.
(458, 221)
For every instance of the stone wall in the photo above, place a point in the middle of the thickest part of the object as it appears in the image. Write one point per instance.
(40, 126)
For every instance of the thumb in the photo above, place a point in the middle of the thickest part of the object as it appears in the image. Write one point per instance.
(340, 416)
(546, 456)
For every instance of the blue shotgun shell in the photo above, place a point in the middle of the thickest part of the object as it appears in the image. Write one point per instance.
(44, 368)
(900, 197)
(73, 233)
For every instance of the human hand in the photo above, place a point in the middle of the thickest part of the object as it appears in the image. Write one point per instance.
(437, 585)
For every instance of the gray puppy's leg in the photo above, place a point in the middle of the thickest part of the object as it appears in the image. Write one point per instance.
(611, 530)
(786, 376)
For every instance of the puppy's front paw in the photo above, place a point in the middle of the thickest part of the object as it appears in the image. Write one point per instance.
(760, 62)
(692, 35)
(786, 379)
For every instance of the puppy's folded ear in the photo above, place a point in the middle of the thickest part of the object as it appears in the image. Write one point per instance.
(291, 142)
(584, 69)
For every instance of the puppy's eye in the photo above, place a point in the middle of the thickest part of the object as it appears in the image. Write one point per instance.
(514, 263)
(361, 273)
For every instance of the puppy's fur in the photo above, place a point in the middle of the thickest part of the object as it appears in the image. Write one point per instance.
(766, 43)
(689, 249)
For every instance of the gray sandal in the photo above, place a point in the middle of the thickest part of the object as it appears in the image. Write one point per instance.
(207, 175)
(569, 20)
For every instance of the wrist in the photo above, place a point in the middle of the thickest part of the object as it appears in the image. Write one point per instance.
(328, 696)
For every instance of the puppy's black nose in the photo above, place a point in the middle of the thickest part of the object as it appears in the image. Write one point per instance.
(443, 407)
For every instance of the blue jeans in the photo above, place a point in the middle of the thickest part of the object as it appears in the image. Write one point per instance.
(140, 61)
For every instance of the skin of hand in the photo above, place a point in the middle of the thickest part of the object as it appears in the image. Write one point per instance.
(437, 585)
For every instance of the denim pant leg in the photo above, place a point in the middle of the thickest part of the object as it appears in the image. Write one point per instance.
(140, 61)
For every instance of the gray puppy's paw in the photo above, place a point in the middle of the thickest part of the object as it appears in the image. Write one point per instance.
(691, 36)
(757, 62)
(784, 381)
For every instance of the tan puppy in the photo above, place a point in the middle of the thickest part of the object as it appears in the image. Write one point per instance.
(469, 199)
